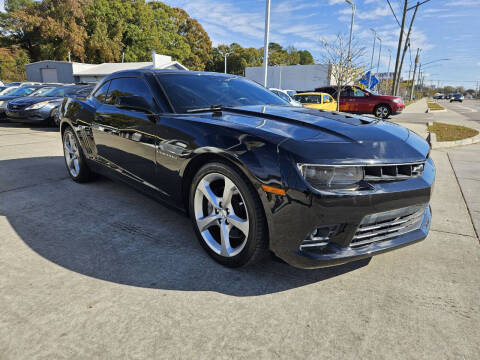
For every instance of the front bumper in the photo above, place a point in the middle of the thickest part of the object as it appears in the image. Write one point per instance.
(293, 217)
(29, 116)
(398, 108)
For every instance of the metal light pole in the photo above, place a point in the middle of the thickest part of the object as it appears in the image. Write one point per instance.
(352, 4)
(379, 54)
(371, 61)
(389, 61)
(417, 60)
(266, 42)
(225, 55)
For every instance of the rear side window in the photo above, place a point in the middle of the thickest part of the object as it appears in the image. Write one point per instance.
(101, 93)
(282, 95)
(347, 93)
(133, 90)
(327, 98)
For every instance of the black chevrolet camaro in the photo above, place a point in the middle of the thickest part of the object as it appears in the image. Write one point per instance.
(254, 174)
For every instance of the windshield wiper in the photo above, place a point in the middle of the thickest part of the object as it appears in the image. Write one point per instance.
(218, 107)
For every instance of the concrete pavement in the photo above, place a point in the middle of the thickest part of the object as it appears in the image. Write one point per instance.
(100, 271)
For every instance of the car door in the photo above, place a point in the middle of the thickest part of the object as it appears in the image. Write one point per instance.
(347, 101)
(124, 128)
(361, 101)
(328, 103)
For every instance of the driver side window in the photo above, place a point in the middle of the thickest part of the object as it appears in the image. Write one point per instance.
(133, 91)
(347, 93)
(101, 93)
(359, 93)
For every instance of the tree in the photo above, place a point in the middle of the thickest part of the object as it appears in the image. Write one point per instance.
(239, 58)
(13, 5)
(196, 38)
(305, 57)
(50, 29)
(343, 71)
(12, 63)
(102, 30)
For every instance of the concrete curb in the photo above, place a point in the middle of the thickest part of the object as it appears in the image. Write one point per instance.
(448, 144)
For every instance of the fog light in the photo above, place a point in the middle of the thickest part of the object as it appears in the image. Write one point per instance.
(320, 237)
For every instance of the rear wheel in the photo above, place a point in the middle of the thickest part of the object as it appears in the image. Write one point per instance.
(74, 158)
(382, 111)
(227, 215)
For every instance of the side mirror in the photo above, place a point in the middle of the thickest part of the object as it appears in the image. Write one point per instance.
(136, 103)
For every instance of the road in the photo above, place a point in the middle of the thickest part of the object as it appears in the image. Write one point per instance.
(469, 108)
(100, 271)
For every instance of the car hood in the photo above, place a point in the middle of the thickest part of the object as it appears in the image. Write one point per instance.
(8, 97)
(387, 97)
(30, 100)
(331, 137)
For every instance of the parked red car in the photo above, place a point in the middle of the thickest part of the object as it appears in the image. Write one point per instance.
(355, 100)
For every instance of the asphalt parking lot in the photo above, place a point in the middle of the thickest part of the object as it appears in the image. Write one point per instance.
(100, 271)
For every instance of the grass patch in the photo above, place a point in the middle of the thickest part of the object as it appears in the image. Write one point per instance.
(447, 132)
(434, 106)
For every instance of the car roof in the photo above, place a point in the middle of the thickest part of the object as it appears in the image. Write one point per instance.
(138, 72)
(312, 93)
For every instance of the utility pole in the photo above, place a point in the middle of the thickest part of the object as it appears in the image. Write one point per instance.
(407, 43)
(396, 75)
(266, 42)
(371, 61)
(417, 59)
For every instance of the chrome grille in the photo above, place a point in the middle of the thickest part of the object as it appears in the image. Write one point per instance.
(388, 224)
(389, 172)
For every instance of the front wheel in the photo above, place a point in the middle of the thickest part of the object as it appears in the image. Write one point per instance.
(227, 215)
(382, 111)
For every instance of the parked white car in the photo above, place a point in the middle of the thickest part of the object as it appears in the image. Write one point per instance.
(284, 96)
(8, 90)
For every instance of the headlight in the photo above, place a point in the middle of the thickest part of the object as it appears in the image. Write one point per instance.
(398, 101)
(37, 105)
(332, 177)
(3, 104)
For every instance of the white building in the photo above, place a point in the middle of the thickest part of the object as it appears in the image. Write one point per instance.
(72, 72)
(294, 77)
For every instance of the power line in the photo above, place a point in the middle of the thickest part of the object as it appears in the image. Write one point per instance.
(393, 12)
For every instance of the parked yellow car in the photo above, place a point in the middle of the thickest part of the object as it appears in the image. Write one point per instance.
(316, 100)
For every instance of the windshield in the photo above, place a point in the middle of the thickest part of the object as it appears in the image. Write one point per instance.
(308, 99)
(188, 92)
(41, 91)
(282, 95)
(60, 91)
(8, 90)
(23, 91)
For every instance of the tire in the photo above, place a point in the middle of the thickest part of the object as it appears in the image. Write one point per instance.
(216, 219)
(55, 118)
(74, 159)
(382, 111)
